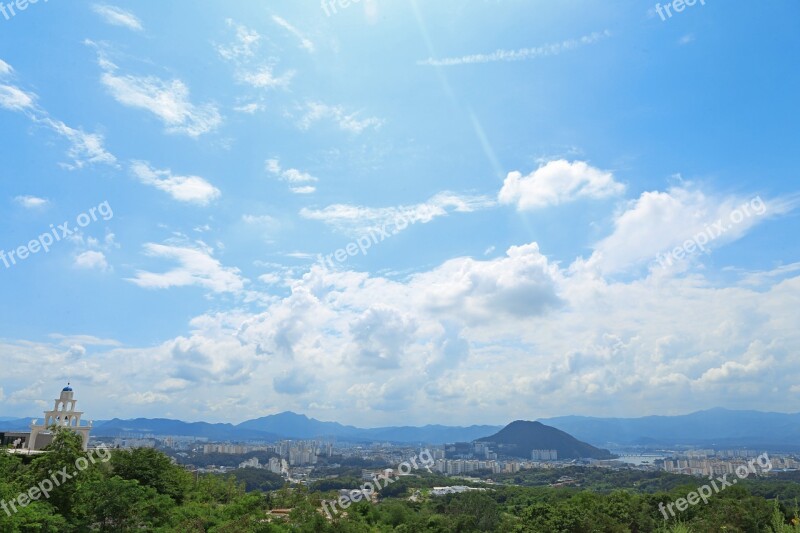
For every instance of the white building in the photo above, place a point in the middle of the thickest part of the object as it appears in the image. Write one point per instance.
(544, 455)
(62, 415)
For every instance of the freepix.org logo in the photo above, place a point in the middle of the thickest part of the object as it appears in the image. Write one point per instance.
(10, 9)
(665, 11)
(56, 234)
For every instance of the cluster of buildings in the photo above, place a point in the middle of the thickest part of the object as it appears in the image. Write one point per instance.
(297, 453)
(711, 462)
(457, 467)
(276, 465)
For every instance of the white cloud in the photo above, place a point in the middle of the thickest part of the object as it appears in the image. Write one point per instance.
(293, 176)
(32, 202)
(167, 100)
(304, 41)
(244, 46)
(196, 267)
(263, 78)
(660, 220)
(190, 189)
(558, 182)
(249, 109)
(92, 260)
(317, 111)
(5, 68)
(469, 340)
(15, 99)
(357, 220)
(521, 284)
(242, 52)
(304, 189)
(85, 149)
(519, 55)
(118, 17)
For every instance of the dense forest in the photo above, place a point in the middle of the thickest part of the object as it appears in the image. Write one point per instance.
(143, 490)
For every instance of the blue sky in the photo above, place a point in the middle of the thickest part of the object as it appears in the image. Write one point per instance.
(542, 154)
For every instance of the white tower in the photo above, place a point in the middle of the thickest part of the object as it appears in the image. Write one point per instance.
(63, 415)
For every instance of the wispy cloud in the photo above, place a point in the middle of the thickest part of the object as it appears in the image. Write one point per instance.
(518, 55)
(356, 220)
(263, 78)
(317, 111)
(243, 46)
(250, 108)
(85, 148)
(117, 16)
(304, 41)
(191, 189)
(297, 179)
(197, 267)
(167, 100)
(31, 202)
(243, 53)
(15, 99)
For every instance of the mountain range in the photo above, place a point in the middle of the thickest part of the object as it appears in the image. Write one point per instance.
(721, 428)
(713, 428)
(285, 425)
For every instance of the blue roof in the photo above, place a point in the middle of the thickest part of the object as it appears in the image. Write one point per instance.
(67, 389)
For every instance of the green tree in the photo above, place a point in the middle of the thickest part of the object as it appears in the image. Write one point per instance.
(118, 504)
(66, 466)
(152, 469)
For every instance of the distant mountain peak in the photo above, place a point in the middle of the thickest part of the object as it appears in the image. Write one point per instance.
(521, 437)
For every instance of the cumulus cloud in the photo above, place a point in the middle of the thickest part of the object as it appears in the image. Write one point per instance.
(196, 267)
(521, 284)
(658, 221)
(92, 260)
(558, 182)
(190, 189)
(381, 335)
(468, 338)
(118, 17)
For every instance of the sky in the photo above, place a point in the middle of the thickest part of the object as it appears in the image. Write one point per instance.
(393, 212)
